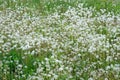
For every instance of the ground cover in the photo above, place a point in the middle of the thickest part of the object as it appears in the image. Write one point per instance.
(59, 40)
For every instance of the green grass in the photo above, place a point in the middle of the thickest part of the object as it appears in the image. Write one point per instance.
(109, 5)
(14, 58)
(46, 7)
(43, 6)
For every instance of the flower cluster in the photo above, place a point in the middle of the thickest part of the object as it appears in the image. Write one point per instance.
(78, 44)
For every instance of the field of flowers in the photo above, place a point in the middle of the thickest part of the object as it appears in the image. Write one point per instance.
(78, 42)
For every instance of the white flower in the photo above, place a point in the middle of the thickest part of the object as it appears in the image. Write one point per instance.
(61, 69)
(109, 58)
(106, 79)
(19, 67)
(108, 67)
(90, 78)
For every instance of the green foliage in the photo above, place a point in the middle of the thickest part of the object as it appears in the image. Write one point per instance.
(11, 62)
(49, 6)
(109, 5)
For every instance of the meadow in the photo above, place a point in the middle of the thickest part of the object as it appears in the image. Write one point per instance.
(59, 40)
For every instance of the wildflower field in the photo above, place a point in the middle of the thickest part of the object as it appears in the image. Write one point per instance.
(59, 40)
